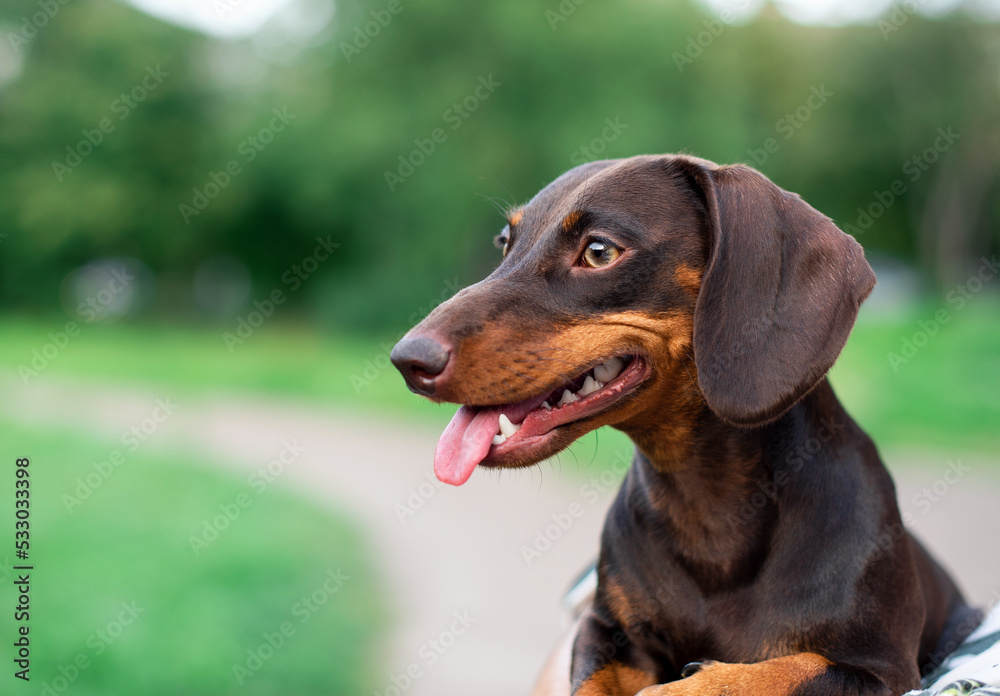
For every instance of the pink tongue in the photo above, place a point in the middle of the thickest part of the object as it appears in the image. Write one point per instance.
(468, 438)
(464, 443)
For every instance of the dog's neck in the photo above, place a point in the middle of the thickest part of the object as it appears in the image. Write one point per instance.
(714, 492)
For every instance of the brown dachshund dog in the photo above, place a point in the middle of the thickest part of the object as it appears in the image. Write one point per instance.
(755, 546)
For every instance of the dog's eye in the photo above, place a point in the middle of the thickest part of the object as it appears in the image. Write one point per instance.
(502, 242)
(599, 254)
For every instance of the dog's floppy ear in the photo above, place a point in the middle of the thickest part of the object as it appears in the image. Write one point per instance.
(778, 297)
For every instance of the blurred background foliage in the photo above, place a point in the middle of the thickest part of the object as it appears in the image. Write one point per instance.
(363, 87)
(356, 112)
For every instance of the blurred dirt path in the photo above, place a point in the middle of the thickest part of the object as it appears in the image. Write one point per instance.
(447, 557)
(471, 613)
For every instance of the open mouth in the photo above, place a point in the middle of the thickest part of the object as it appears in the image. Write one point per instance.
(500, 435)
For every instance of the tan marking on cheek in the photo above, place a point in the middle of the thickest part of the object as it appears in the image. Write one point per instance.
(689, 279)
(666, 337)
(678, 334)
(615, 679)
(515, 216)
(610, 332)
(665, 443)
(507, 363)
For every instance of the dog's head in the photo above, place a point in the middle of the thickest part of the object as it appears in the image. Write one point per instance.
(636, 293)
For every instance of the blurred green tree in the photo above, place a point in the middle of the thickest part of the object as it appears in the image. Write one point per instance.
(388, 150)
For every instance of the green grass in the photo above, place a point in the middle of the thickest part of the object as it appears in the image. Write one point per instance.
(946, 396)
(129, 542)
(279, 359)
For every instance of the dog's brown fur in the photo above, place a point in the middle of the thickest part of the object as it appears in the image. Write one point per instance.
(753, 498)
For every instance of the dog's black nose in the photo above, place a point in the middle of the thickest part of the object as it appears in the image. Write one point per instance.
(421, 360)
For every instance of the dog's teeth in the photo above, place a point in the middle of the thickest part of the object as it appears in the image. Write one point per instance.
(609, 370)
(590, 385)
(506, 427)
(568, 397)
(499, 439)
(546, 406)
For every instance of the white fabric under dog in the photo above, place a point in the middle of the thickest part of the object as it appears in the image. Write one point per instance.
(973, 668)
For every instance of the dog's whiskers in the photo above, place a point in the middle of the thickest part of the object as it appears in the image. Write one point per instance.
(688, 371)
(499, 204)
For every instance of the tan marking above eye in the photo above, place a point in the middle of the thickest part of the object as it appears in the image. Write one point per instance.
(514, 217)
(571, 220)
